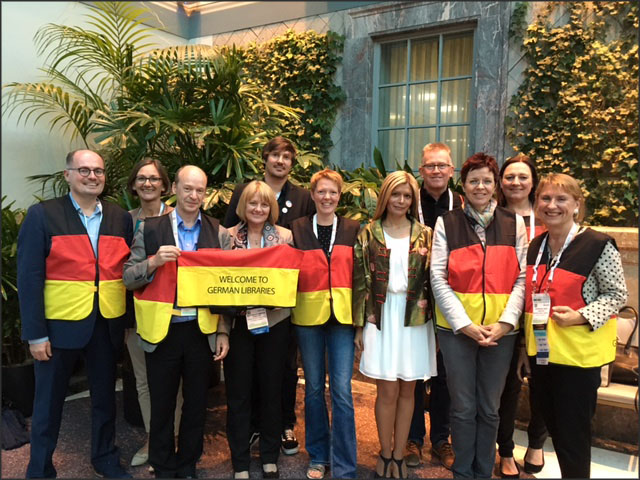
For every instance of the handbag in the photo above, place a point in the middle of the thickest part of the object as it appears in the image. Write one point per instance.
(625, 367)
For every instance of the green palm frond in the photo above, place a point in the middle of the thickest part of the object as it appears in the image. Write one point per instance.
(36, 101)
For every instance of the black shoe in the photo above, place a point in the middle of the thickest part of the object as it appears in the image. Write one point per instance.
(508, 475)
(112, 471)
(289, 443)
(530, 467)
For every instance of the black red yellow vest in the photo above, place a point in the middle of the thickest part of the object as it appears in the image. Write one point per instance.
(324, 285)
(74, 274)
(579, 345)
(482, 278)
(154, 303)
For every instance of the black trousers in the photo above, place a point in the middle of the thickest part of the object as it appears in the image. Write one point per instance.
(568, 397)
(185, 354)
(289, 386)
(264, 356)
(536, 431)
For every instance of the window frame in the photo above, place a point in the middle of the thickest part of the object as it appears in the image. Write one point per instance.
(409, 37)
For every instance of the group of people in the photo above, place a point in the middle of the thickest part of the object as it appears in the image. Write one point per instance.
(461, 295)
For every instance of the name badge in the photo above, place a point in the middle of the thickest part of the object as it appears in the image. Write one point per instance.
(257, 321)
(541, 308)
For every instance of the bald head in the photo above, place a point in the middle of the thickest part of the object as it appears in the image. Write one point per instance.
(190, 187)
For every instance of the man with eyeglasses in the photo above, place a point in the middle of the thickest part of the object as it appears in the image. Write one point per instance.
(71, 252)
(435, 199)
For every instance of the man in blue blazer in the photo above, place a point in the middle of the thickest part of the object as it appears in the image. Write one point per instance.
(71, 252)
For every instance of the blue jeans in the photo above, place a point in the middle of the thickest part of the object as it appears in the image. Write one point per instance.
(475, 377)
(336, 445)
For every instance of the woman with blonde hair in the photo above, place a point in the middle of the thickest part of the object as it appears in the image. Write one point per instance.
(392, 311)
(256, 351)
(324, 327)
(574, 288)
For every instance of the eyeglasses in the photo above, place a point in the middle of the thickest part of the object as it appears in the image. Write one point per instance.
(430, 167)
(85, 172)
(152, 180)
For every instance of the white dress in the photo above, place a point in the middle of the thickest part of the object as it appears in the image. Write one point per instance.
(395, 351)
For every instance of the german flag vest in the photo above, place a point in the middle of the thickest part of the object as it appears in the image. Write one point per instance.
(578, 345)
(154, 304)
(482, 277)
(74, 273)
(324, 284)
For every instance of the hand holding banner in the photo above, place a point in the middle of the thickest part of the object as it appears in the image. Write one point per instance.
(265, 277)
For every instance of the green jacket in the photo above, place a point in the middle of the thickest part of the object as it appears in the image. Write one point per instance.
(371, 275)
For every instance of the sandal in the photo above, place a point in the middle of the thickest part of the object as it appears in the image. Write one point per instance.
(386, 467)
(400, 470)
(316, 471)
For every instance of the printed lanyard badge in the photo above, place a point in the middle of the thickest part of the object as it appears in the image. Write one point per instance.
(257, 321)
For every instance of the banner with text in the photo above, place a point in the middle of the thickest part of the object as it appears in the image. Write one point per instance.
(265, 277)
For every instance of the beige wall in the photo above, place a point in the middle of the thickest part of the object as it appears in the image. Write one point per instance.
(29, 150)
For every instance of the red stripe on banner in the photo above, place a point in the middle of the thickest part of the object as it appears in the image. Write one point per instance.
(163, 286)
(280, 256)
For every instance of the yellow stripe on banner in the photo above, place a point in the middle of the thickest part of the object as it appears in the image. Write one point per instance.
(68, 300)
(152, 319)
(237, 286)
(492, 306)
(112, 298)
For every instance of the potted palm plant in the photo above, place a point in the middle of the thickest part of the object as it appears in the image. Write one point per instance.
(17, 365)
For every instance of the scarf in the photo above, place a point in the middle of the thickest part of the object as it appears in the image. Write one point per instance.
(481, 218)
(269, 235)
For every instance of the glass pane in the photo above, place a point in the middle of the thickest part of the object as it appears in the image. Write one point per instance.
(458, 140)
(391, 108)
(393, 62)
(457, 55)
(418, 138)
(424, 59)
(423, 104)
(455, 104)
(391, 145)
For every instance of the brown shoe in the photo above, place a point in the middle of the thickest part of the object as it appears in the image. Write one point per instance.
(413, 458)
(445, 454)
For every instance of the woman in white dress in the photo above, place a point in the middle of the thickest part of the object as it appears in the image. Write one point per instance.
(392, 311)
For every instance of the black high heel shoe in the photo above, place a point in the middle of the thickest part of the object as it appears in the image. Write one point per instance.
(386, 467)
(532, 468)
(508, 475)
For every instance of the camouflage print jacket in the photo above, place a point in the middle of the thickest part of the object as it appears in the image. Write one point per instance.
(371, 275)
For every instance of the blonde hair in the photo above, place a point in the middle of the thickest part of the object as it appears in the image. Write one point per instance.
(567, 183)
(265, 194)
(390, 183)
(327, 174)
(435, 146)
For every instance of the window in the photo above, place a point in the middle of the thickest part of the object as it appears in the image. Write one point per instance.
(424, 95)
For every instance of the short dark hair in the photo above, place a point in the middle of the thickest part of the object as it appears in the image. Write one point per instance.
(519, 158)
(166, 184)
(479, 160)
(72, 153)
(278, 144)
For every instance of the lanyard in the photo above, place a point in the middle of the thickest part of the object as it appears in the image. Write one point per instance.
(532, 226)
(421, 215)
(174, 225)
(334, 229)
(567, 241)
